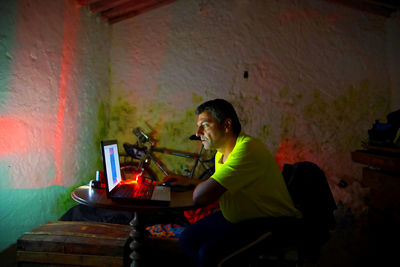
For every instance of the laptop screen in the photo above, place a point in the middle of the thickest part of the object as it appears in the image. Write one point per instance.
(112, 168)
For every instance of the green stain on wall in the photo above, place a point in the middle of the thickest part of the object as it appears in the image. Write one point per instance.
(345, 119)
(284, 92)
(288, 124)
(196, 99)
(293, 96)
(169, 127)
(156, 114)
(175, 134)
(265, 131)
(317, 109)
(321, 122)
(122, 113)
(357, 109)
(64, 201)
(365, 100)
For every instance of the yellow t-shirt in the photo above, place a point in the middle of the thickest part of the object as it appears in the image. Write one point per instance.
(254, 183)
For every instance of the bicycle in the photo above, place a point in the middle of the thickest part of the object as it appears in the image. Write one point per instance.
(140, 155)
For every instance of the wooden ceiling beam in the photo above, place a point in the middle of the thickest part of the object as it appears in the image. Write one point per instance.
(387, 4)
(366, 6)
(127, 7)
(87, 2)
(139, 11)
(104, 5)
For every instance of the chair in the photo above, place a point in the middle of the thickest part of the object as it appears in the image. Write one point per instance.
(301, 240)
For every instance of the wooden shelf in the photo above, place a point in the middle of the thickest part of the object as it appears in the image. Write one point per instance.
(381, 149)
(383, 161)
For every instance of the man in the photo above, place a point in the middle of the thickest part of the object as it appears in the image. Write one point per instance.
(247, 182)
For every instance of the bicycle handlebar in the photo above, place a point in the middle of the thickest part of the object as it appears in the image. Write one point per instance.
(143, 138)
(195, 137)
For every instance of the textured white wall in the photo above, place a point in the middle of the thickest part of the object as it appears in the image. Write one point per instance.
(54, 85)
(318, 77)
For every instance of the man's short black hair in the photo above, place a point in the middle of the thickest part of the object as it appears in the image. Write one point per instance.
(221, 110)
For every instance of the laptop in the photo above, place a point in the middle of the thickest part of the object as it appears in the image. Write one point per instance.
(128, 191)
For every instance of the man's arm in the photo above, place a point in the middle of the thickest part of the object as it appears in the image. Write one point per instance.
(208, 192)
(178, 179)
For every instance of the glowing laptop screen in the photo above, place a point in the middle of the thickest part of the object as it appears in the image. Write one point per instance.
(112, 167)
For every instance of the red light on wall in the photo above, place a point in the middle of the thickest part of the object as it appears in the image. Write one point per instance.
(286, 152)
(14, 136)
(70, 30)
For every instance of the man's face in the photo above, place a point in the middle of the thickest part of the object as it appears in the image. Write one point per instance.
(210, 131)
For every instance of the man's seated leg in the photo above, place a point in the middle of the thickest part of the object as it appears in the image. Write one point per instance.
(196, 238)
(253, 236)
(214, 238)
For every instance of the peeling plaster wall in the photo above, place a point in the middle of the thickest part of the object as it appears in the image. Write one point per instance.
(54, 87)
(319, 74)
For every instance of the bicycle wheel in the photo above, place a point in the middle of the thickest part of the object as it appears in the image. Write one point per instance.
(130, 169)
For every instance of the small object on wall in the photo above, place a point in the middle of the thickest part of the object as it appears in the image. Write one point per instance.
(246, 74)
(342, 183)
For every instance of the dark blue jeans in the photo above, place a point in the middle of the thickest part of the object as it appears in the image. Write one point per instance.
(199, 239)
(212, 238)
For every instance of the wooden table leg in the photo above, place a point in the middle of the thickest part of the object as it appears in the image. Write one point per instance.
(138, 235)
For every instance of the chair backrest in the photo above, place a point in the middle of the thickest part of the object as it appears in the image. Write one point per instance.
(311, 194)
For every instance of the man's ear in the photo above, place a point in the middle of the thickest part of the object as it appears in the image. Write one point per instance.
(228, 125)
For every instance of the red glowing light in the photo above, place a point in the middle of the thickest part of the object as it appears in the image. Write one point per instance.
(287, 152)
(292, 151)
(136, 180)
(14, 136)
(130, 182)
(70, 29)
(139, 178)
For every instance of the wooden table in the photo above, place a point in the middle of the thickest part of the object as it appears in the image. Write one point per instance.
(98, 198)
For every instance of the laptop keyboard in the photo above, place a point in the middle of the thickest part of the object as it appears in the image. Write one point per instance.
(143, 191)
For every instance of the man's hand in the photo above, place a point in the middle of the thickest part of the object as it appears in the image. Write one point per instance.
(177, 179)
